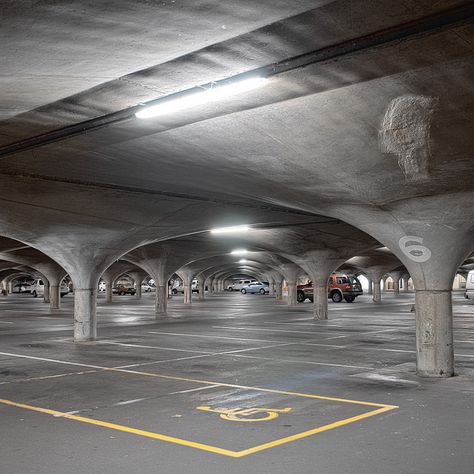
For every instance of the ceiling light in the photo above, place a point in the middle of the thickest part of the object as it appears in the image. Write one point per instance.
(212, 92)
(230, 230)
(239, 252)
(243, 260)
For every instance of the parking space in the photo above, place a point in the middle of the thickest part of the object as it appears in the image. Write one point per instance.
(229, 382)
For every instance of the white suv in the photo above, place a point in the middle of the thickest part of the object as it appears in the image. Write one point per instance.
(238, 285)
(37, 288)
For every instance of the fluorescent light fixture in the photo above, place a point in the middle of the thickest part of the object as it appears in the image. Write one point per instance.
(239, 252)
(214, 92)
(230, 230)
(243, 260)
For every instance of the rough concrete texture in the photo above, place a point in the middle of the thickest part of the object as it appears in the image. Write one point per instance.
(84, 183)
(405, 132)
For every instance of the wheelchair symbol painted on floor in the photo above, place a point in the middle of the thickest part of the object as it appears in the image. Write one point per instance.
(246, 414)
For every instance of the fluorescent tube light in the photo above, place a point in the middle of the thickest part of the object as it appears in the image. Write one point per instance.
(230, 230)
(212, 93)
(239, 252)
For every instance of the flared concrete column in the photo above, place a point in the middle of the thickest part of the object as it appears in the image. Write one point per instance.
(202, 288)
(320, 299)
(161, 300)
(46, 290)
(54, 296)
(138, 293)
(292, 301)
(210, 287)
(279, 290)
(434, 333)
(10, 287)
(396, 288)
(370, 288)
(108, 292)
(188, 294)
(85, 318)
(405, 284)
(376, 293)
(138, 278)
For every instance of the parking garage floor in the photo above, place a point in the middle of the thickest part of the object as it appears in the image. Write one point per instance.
(234, 384)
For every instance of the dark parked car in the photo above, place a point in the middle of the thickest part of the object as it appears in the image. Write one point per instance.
(123, 290)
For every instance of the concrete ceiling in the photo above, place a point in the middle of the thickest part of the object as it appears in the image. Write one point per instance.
(379, 138)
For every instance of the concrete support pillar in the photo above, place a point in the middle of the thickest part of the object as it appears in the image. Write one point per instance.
(138, 294)
(405, 284)
(138, 277)
(320, 299)
(279, 290)
(188, 294)
(108, 292)
(434, 333)
(384, 284)
(46, 290)
(55, 296)
(210, 287)
(187, 277)
(396, 288)
(10, 287)
(377, 293)
(370, 288)
(202, 288)
(292, 301)
(161, 299)
(85, 319)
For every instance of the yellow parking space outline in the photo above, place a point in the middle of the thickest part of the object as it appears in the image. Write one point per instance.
(381, 408)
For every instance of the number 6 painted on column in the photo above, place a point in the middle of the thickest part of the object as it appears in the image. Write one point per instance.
(417, 253)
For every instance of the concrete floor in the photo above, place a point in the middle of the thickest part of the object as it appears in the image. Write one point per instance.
(230, 352)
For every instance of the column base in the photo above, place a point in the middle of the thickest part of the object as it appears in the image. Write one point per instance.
(434, 333)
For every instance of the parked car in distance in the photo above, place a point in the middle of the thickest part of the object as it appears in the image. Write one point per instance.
(147, 288)
(340, 287)
(37, 288)
(123, 290)
(102, 286)
(239, 284)
(22, 288)
(256, 287)
(469, 293)
(178, 287)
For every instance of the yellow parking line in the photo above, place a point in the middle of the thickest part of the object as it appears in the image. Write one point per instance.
(314, 431)
(126, 429)
(193, 444)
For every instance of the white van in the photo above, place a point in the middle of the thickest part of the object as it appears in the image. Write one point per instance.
(37, 288)
(469, 293)
(239, 284)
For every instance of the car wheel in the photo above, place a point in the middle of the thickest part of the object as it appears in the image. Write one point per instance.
(300, 297)
(34, 294)
(262, 291)
(336, 297)
(243, 291)
(174, 291)
(349, 299)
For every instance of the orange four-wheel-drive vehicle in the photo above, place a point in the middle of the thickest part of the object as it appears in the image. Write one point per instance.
(340, 287)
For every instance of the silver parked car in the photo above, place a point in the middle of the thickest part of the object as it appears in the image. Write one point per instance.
(257, 287)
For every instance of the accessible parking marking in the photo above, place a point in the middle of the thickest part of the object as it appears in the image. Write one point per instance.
(376, 408)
